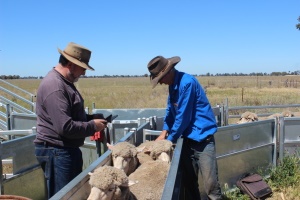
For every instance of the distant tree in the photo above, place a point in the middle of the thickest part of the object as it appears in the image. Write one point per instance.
(298, 25)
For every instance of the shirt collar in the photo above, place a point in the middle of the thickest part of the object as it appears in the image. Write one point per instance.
(176, 81)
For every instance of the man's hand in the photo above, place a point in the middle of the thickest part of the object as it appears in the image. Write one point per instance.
(162, 136)
(100, 124)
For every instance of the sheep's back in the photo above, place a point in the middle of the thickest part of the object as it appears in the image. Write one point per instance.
(151, 177)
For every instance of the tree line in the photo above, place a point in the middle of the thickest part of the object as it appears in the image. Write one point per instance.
(146, 75)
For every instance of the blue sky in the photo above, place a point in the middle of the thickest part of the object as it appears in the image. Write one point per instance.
(215, 36)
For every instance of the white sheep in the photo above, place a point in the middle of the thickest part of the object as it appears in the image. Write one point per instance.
(3, 139)
(284, 114)
(124, 156)
(247, 117)
(109, 183)
(155, 150)
(150, 179)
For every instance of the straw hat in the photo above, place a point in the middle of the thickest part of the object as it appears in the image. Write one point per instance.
(159, 67)
(77, 54)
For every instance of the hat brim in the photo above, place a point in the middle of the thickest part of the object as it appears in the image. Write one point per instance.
(155, 80)
(75, 61)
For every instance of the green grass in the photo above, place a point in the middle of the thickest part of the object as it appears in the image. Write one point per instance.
(284, 179)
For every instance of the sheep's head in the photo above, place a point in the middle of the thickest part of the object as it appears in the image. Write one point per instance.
(108, 183)
(161, 150)
(287, 114)
(124, 156)
(248, 117)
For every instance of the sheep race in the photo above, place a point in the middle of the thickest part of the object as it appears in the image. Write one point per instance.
(138, 173)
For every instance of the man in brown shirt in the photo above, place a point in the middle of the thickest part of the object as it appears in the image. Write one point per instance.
(62, 123)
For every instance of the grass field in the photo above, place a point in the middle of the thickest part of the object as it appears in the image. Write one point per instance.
(136, 92)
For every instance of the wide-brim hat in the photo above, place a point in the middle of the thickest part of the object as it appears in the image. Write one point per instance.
(77, 54)
(159, 67)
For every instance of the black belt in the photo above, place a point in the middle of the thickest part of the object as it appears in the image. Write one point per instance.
(47, 144)
(207, 139)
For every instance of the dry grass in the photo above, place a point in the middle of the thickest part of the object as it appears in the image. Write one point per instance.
(136, 92)
(7, 168)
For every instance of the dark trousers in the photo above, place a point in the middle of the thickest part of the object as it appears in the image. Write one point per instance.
(200, 158)
(60, 165)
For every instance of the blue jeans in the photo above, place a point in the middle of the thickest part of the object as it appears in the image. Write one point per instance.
(60, 165)
(200, 157)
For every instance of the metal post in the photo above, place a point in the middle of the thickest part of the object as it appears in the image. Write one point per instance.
(135, 131)
(8, 119)
(281, 137)
(226, 112)
(87, 110)
(32, 107)
(1, 170)
(33, 130)
(126, 130)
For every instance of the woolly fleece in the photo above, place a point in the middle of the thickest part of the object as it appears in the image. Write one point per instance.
(105, 176)
(160, 146)
(124, 149)
(151, 177)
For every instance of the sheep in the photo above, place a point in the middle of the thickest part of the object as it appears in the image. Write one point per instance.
(250, 117)
(108, 183)
(284, 114)
(124, 156)
(3, 139)
(155, 150)
(247, 117)
(150, 179)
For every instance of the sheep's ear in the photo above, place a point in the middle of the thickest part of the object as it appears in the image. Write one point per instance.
(109, 146)
(90, 173)
(130, 183)
(140, 149)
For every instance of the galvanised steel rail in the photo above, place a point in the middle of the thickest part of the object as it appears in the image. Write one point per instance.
(225, 114)
(17, 96)
(32, 95)
(15, 105)
(31, 102)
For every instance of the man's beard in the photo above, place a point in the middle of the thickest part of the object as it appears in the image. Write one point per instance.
(72, 77)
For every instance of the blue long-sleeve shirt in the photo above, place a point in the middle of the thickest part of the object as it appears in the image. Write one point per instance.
(188, 113)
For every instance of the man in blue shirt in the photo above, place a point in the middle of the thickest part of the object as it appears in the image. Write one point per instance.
(190, 116)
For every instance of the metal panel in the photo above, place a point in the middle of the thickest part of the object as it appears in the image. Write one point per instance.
(20, 121)
(22, 152)
(234, 138)
(173, 182)
(29, 184)
(244, 147)
(129, 114)
(290, 139)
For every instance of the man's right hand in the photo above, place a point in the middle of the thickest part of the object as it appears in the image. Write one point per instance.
(162, 136)
(100, 124)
